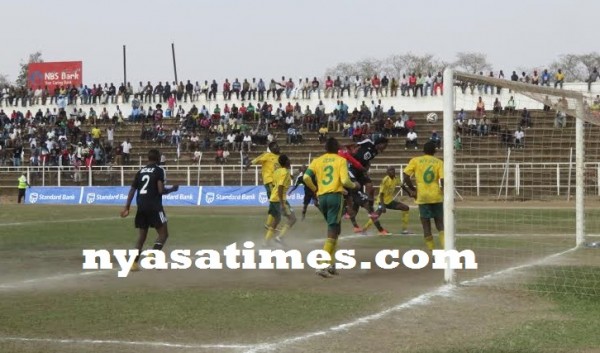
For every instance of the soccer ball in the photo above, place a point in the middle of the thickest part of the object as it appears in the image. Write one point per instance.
(432, 118)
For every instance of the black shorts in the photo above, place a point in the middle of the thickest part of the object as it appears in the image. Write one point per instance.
(362, 177)
(145, 219)
(308, 195)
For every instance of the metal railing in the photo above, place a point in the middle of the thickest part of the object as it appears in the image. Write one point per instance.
(476, 179)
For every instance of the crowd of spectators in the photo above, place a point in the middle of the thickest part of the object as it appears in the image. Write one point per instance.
(68, 134)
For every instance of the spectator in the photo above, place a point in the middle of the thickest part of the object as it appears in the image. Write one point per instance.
(494, 126)
(126, 151)
(519, 138)
(472, 126)
(480, 107)
(525, 118)
(219, 158)
(247, 142)
(323, 133)
(593, 77)
(545, 78)
(411, 140)
(484, 126)
(435, 138)
(510, 105)
(497, 106)
(559, 79)
(560, 120)
(457, 142)
(506, 138)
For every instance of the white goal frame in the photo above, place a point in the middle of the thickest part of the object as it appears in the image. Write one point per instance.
(449, 154)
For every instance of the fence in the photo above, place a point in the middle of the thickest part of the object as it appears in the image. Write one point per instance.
(472, 179)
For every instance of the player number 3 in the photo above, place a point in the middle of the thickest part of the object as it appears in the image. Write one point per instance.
(328, 175)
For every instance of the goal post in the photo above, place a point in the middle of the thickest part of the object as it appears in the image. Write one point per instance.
(538, 179)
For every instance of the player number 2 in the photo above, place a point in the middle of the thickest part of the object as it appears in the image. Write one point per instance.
(146, 180)
(328, 175)
(428, 175)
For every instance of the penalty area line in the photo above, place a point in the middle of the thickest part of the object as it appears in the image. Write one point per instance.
(443, 291)
(420, 300)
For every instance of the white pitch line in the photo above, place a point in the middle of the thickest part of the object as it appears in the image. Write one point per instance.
(77, 220)
(128, 343)
(422, 299)
(25, 283)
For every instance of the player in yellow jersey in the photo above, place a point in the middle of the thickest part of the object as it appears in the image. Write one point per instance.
(330, 173)
(386, 200)
(278, 204)
(269, 162)
(429, 175)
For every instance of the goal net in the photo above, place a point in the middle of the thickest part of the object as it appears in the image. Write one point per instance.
(522, 183)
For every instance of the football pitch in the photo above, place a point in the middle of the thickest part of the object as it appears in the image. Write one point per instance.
(531, 293)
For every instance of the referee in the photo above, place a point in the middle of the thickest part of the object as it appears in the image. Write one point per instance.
(149, 184)
(23, 185)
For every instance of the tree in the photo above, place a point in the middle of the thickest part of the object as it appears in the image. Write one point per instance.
(23, 71)
(576, 67)
(4, 81)
(368, 67)
(472, 62)
(342, 70)
(408, 63)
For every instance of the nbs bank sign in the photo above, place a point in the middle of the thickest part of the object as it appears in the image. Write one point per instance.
(185, 196)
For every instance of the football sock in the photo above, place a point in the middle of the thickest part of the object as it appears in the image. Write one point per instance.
(353, 220)
(429, 242)
(378, 225)
(284, 230)
(404, 220)
(269, 234)
(270, 220)
(158, 246)
(329, 247)
(442, 239)
(368, 224)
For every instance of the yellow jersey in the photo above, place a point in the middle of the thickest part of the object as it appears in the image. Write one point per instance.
(96, 133)
(330, 172)
(268, 162)
(281, 177)
(387, 189)
(428, 170)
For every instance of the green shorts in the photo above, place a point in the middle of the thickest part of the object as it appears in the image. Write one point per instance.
(331, 206)
(276, 211)
(431, 210)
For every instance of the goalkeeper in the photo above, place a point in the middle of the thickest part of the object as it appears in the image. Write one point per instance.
(386, 200)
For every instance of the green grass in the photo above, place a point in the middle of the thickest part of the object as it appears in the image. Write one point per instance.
(204, 307)
(187, 315)
(574, 323)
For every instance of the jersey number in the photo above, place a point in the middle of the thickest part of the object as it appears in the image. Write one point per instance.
(428, 176)
(146, 180)
(328, 175)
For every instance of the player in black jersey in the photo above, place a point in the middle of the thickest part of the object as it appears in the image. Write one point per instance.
(309, 195)
(149, 184)
(366, 151)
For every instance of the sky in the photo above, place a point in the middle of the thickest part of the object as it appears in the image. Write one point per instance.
(293, 38)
